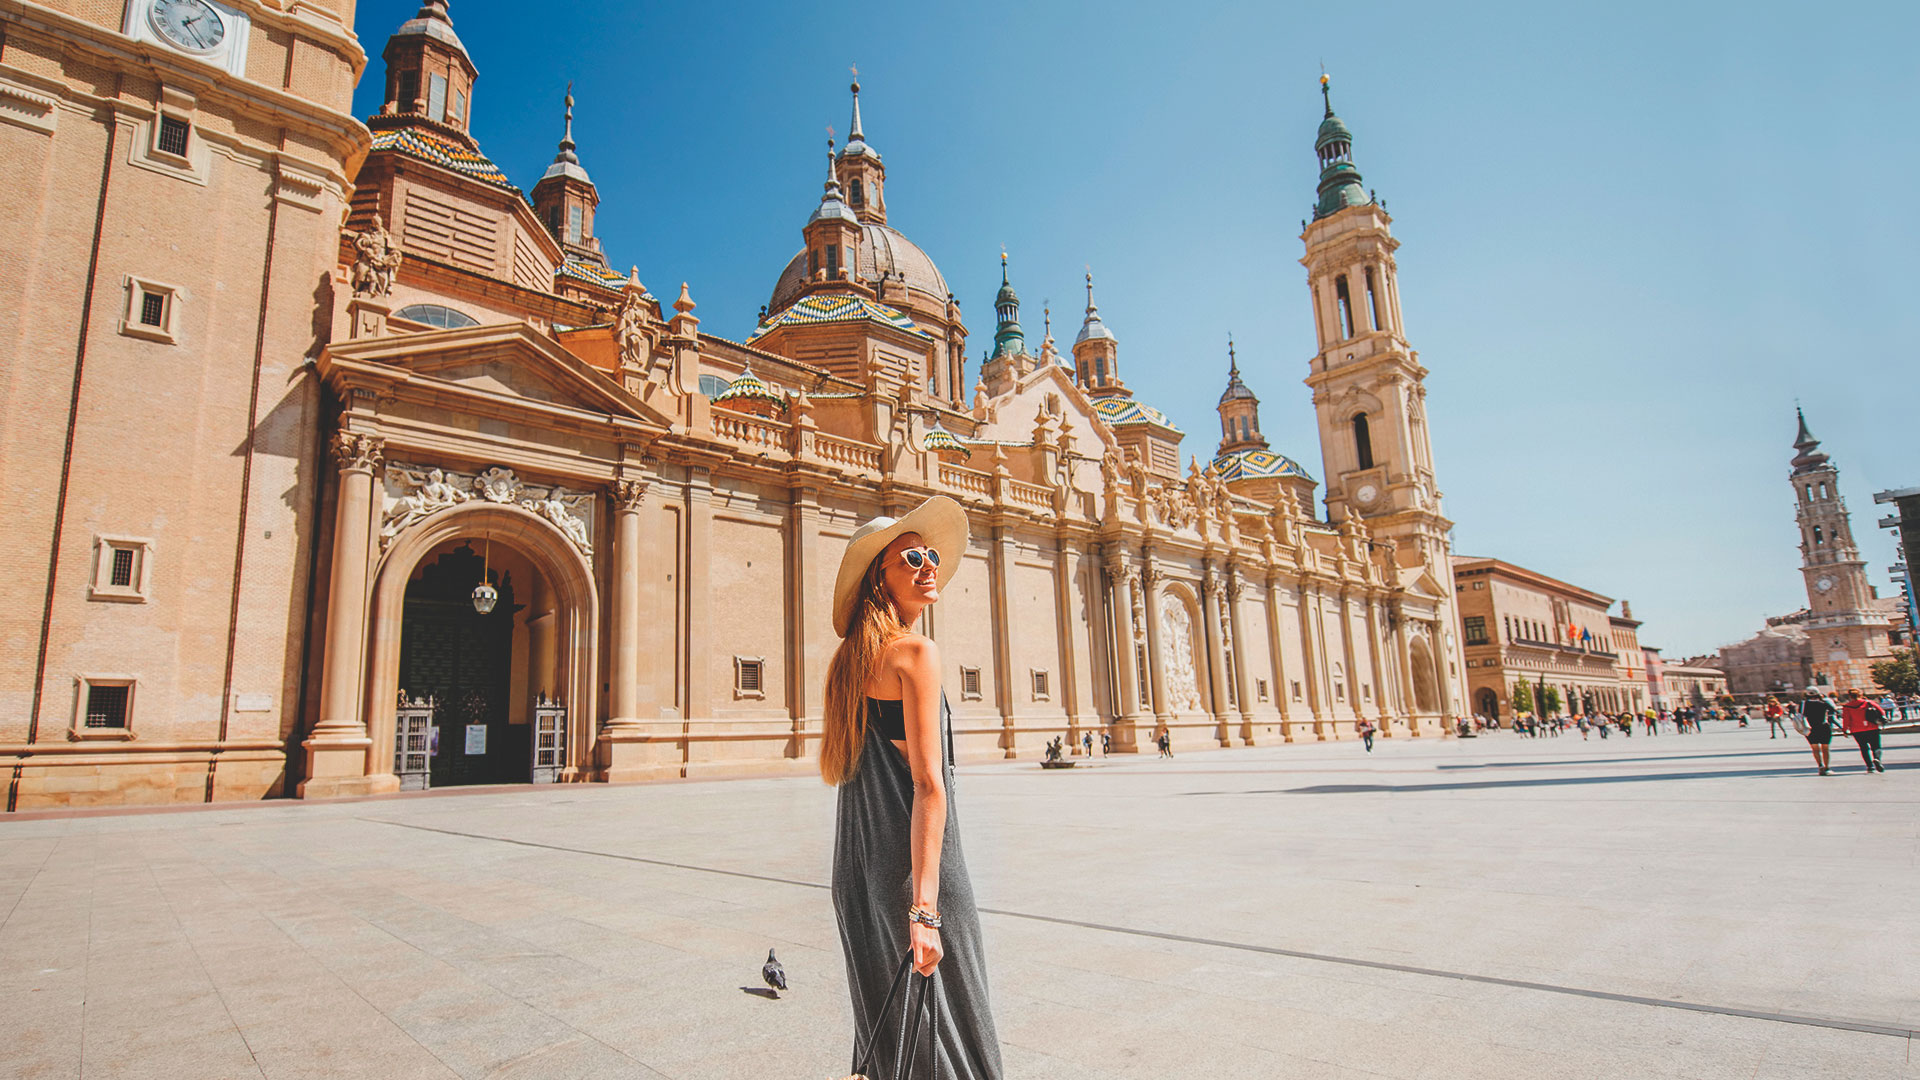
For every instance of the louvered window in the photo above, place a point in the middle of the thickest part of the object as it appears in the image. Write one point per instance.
(1040, 686)
(749, 676)
(970, 684)
(121, 574)
(107, 706)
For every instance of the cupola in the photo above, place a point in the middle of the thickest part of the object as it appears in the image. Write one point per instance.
(566, 198)
(1008, 338)
(1239, 411)
(832, 233)
(863, 177)
(1340, 185)
(428, 71)
(1096, 353)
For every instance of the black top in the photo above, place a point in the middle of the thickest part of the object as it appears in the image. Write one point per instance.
(1819, 713)
(889, 717)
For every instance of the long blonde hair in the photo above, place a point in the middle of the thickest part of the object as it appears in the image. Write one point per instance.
(873, 627)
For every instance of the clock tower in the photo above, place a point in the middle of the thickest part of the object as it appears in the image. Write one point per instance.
(1369, 391)
(1847, 631)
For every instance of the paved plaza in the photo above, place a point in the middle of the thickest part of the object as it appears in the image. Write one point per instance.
(1680, 906)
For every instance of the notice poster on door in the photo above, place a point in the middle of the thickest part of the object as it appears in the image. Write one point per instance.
(476, 738)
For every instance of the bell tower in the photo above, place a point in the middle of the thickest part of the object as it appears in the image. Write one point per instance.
(863, 177)
(1369, 391)
(1847, 634)
(1239, 411)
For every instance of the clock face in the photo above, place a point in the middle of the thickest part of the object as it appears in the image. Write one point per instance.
(1823, 584)
(1367, 493)
(192, 25)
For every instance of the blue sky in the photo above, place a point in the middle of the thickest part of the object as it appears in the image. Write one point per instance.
(1632, 234)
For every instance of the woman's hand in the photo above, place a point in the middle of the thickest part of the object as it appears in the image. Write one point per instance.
(925, 942)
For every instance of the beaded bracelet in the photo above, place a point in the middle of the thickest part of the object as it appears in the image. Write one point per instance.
(924, 917)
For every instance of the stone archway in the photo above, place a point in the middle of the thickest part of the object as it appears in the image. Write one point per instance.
(1181, 651)
(577, 610)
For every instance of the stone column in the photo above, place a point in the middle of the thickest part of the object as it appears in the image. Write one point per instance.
(1073, 637)
(625, 698)
(1150, 580)
(339, 748)
(696, 566)
(1000, 566)
(1313, 654)
(1125, 637)
(1282, 691)
(803, 521)
(1212, 592)
(1240, 678)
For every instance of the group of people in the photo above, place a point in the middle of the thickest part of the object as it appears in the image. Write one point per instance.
(1858, 716)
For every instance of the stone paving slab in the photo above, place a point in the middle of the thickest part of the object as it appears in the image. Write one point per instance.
(1676, 907)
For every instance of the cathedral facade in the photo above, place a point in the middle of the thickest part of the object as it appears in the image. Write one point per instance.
(347, 466)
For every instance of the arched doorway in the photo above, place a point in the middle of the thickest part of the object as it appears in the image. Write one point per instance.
(423, 596)
(1487, 704)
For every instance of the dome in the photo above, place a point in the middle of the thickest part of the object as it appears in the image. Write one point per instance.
(1256, 465)
(1126, 412)
(831, 210)
(1094, 330)
(1332, 130)
(883, 251)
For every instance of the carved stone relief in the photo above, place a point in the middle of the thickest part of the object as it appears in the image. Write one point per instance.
(1183, 687)
(414, 493)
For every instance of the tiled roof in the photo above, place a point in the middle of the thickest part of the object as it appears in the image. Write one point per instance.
(1257, 464)
(939, 438)
(837, 308)
(1122, 412)
(749, 387)
(429, 145)
(594, 273)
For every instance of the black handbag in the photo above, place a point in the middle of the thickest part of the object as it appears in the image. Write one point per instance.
(927, 1002)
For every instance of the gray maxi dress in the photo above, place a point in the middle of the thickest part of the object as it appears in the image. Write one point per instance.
(872, 889)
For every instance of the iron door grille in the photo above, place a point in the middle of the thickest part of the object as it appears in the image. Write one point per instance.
(413, 742)
(549, 740)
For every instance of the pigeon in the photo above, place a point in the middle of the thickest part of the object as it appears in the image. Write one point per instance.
(775, 975)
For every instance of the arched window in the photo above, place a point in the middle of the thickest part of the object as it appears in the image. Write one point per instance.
(1809, 492)
(857, 194)
(1823, 489)
(1818, 537)
(1345, 298)
(712, 385)
(1362, 440)
(444, 318)
(1099, 371)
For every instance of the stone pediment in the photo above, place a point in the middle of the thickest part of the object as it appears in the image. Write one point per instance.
(1416, 581)
(1051, 386)
(511, 362)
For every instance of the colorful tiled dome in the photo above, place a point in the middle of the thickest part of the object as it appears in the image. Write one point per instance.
(748, 388)
(834, 307)
(1257, 465)
(1122, 412)
(594, 274)
(939, 438)
(429, 145)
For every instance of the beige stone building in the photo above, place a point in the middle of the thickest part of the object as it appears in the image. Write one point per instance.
(1777, 660)
(346, 466)
(1517, 623)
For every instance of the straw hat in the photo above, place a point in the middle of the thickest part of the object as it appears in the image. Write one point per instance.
(942, 526)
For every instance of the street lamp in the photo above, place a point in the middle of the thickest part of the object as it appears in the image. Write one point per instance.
(484, 594)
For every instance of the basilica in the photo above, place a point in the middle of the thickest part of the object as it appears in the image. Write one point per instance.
(340, 464)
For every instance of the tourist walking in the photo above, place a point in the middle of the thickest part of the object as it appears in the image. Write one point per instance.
(1365, 728)
(1861, 718)
(1165, 739)
(1086, 740)
(1816, 712)
(1775, 715)
(900, 883)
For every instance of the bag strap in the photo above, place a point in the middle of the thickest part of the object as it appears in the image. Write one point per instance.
(928, 1000)
(863, 1059)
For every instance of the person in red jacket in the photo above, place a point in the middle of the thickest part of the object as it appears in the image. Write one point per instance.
(1861, 718)
(1776, 725)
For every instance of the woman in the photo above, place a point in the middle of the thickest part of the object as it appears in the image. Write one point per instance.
(1861, 718)
(899, 879)
(1816, 712)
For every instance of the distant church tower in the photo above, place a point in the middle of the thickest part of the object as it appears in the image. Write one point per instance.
(1368, 391)
(1846, 632)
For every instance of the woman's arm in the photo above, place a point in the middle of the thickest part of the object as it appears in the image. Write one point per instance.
(918, 662)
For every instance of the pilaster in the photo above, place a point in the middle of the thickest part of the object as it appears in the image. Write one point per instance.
(339, 750)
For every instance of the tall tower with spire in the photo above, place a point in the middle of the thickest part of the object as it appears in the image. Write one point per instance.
(566, 198)
(1369, 391)
(1847, 632)
(1096, 354)
(1239, 411)
(862, 175)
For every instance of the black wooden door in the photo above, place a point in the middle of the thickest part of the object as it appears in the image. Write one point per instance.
(465, 660)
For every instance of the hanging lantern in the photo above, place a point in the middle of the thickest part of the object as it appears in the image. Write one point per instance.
(484, 594)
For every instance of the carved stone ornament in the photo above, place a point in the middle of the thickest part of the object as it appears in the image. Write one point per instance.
(629, 494)
(498, 485)
(417, 492)
(376, 258)
(630, 330)
(354, 451)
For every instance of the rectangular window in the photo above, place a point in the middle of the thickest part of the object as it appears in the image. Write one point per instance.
(150, 310)
(858, 196)
(120, 575)
(1373, 300)
(107, 706)
(1260, 689)
(969, 684)
(833, 260)
(459, 111)
(172, 138)
(575, 215)
(153, 309)
(1345, 299)
(1339, 691)
(1040, 687)
(407, 96)
(120, 569)
(1475, 627)
(749, 676)
(1296, 691)
(437, 97)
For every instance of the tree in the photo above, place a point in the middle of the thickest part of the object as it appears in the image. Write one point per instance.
(1899, 675)
(1551, 705)
(1523, 696)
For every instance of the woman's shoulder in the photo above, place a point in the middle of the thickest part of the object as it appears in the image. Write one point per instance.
(911, 650)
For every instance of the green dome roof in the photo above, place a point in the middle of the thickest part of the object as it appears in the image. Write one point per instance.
(1332, 130)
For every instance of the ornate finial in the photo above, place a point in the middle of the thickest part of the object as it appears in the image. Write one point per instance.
(685, 304)
(1233, 362)
(854, 134)
(1003, 264)
(1324, 95)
